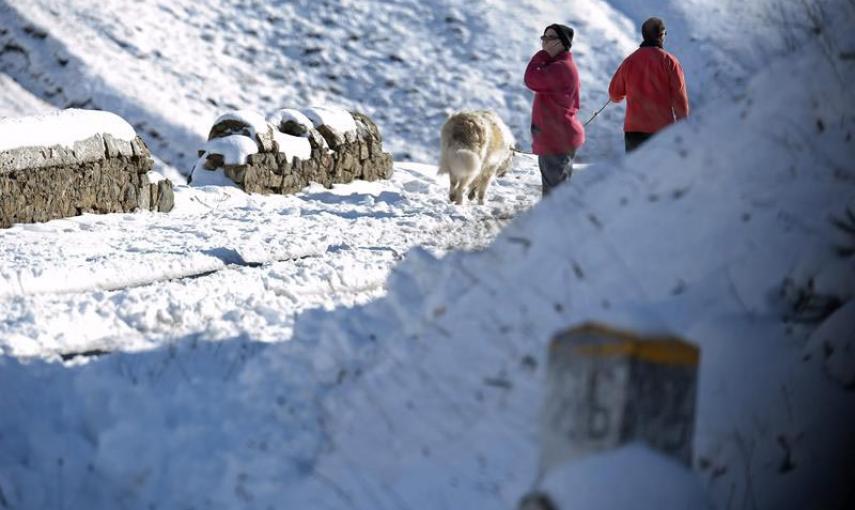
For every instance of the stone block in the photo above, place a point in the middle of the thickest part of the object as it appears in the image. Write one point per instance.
(131, 200)
(166, 197)
(332, 138)
(144, 197)
(255, 159)
(299, 165)
(140, 149)
(607, 387)
(111, 148)
(291, 127)
(271, 180)
(90, 149)
(236, 173)
(387, 164)
(317, 141)
(347, 161)
(251, 179)
(265, 140)
(282, 159)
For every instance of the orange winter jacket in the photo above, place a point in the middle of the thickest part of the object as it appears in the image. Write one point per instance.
(652, 81)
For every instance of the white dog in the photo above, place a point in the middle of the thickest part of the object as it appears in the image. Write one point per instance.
(474, 146)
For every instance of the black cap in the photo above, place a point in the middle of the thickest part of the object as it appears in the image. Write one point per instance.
(565, 34)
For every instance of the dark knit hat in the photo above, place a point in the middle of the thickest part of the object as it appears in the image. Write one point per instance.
(652, 29)
(564, 32)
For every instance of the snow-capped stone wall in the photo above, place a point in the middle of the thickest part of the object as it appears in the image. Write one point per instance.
(70, 162)
(290, 149)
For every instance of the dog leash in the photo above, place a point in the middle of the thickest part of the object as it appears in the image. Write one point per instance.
(598, 112)
(514, 149)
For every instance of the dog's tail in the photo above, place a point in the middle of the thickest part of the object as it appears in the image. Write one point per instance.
(460, 162)
(443, 164)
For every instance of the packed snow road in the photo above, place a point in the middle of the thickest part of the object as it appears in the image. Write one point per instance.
(225, 263)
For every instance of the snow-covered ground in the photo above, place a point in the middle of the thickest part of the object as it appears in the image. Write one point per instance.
(225, 263)
(372, 346)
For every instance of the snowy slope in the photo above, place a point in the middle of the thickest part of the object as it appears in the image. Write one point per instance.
(426, 60)
(17, 102)
(423, 390)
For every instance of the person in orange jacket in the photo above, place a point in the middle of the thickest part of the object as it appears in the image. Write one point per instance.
(652, 81)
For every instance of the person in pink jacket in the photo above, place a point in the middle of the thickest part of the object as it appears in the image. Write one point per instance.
(555, 131)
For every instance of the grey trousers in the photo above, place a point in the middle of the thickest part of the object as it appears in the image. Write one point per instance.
(555, 169)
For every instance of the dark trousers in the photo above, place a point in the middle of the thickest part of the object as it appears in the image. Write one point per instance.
(632, 139)
(555, 169)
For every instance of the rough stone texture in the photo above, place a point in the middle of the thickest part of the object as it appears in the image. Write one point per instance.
(101, 174)
(334, 159)
(607, 387)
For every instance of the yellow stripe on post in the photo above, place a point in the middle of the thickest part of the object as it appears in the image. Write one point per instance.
(665, 352)
(665, 349)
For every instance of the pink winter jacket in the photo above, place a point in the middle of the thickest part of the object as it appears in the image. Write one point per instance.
(555, 130)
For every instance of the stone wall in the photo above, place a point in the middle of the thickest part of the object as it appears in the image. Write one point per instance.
(335, 158)
(100, 174)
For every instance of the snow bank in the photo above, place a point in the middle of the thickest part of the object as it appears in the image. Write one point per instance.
(63, 127)
(284, 115)
(233, 148)
(251, 118)
(201, 176)
(337, 119)
(630, 477)
(293, 146)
